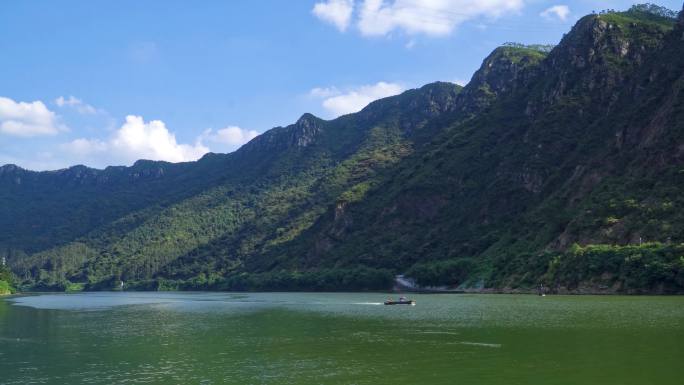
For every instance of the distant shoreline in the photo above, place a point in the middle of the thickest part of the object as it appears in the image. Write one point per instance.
(582, 292)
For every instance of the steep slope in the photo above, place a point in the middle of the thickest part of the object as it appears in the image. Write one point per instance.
(581, 146)
(247, 201)
(561, 167)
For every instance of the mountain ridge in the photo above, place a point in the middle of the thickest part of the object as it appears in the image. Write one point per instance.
(548, 167)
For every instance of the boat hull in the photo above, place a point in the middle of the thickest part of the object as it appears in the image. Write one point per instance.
(412, 303)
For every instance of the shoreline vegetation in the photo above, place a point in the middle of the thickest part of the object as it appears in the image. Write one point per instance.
(647, 269)
(6, 281)
(584, 291)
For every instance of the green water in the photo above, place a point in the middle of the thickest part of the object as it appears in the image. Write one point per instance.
(295, 338)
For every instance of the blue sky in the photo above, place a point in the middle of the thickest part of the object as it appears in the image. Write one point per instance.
(107, 82)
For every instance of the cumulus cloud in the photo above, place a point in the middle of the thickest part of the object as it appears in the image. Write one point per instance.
(137, 139)
(336, 12)
(428, 17)
(560, 12)
(232, 136)
(77, 104)
(27, 119)
(354, 99)
(152, 140)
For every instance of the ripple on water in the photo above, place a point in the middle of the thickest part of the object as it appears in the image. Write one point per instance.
(473, 310)
(118, 338)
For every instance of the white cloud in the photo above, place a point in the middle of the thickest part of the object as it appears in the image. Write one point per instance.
(324, 92)
(337, 12)
(429, 17)
(27, 119)
(354, 99)
(152, 140)
(560, 12)
(77, 104)
(461, 82)
(233, 136)
(137, 139)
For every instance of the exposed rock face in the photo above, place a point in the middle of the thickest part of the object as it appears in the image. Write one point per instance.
(342, 220)
(299, 135)
(437, 98)
(597, 56)
(79, 174)
(415, 106)
(503, 71)
(594, 72)
(150, 171)
(305, 130)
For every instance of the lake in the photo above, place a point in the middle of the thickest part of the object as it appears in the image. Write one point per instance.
(340, 338)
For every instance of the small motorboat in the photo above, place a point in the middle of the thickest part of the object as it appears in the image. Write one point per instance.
(402, 301)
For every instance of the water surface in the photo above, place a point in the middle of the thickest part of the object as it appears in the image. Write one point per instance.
(313, 338)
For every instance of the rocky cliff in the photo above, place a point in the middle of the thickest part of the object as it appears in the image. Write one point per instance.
(561, 166)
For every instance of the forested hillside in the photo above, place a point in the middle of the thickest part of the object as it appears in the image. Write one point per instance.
(563, 167)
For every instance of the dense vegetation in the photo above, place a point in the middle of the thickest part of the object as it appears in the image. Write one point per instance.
(557, 165)
(650, 267)
(6, 280)
(359, 279)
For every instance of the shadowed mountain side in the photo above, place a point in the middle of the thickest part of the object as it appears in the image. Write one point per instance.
(561, 167)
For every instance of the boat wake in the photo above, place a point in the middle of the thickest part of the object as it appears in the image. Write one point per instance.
(480, 344)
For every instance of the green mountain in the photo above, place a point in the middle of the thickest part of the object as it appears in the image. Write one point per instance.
(559, 166)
